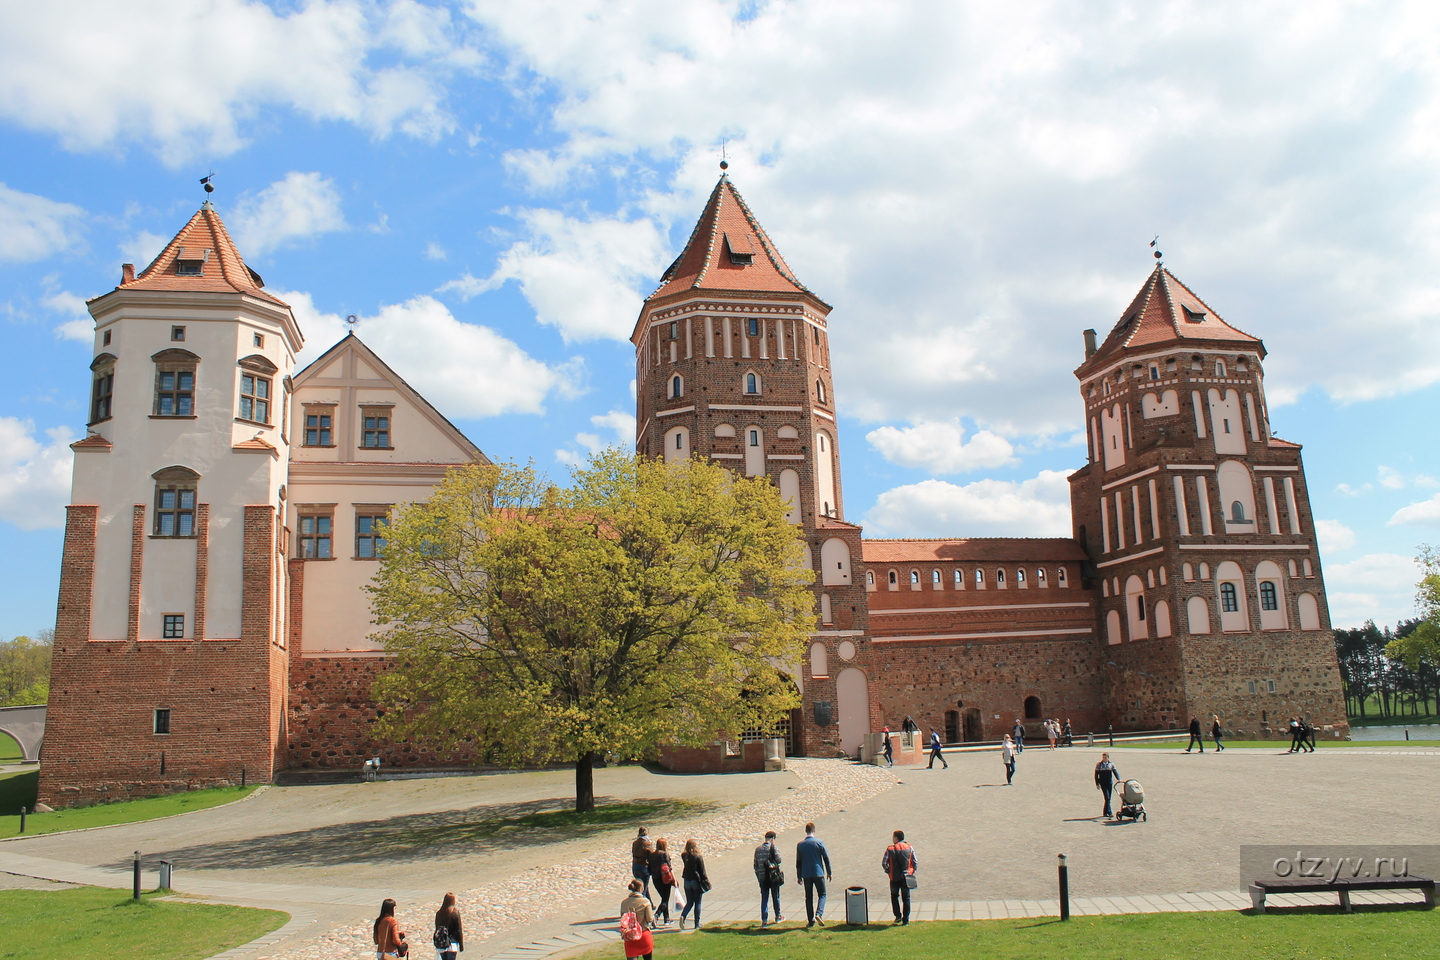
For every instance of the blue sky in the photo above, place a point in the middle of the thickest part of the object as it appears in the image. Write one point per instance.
(493, 187)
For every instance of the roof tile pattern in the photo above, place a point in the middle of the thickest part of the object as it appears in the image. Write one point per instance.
(1165, 311)
(728, 227)
(222, 269)
(973, 550)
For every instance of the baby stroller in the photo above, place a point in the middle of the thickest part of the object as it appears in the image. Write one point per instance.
(1132, 801)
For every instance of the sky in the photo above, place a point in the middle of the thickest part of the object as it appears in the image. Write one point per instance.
(492, 188)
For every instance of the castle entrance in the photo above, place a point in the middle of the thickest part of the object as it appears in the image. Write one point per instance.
(972, 728)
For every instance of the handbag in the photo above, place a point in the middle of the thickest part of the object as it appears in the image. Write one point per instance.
(667, 876)
(910, 881)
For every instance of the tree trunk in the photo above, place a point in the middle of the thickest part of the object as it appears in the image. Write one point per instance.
(585, 783)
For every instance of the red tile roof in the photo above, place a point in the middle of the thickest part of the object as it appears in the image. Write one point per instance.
(205, 239)
(728, 227)
(973, 550)
(1165, 311)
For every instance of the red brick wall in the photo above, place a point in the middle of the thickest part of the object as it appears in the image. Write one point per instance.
(712, 758)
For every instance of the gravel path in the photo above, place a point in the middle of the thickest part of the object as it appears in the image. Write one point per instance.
(545, 890)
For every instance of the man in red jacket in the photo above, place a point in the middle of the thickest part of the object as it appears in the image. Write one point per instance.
(899, 864)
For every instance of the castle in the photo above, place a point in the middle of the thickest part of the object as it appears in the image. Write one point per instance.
(227, 511)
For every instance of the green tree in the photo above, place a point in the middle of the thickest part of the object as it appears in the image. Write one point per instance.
(1417, 643)
(645, 603)
(25, 671)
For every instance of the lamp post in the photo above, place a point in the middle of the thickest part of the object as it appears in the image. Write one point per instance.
(1064, 888)
(137, 874)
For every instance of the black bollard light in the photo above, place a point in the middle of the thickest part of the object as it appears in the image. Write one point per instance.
(1111, 729)
(1064, 888)
(22, 819)
(242, 778)
(137, 874)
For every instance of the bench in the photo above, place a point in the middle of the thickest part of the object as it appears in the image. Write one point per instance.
(1260, 888)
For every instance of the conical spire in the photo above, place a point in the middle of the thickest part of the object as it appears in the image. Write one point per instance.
(1166, 311)
(201, 258)
(728, 250)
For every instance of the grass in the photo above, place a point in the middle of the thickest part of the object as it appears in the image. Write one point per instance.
(9, 749)
(1278, 744)
(18, 789)
(1294, 933)
(92, 923)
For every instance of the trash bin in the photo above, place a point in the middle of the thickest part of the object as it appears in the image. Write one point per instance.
(857, 906)
(167, 873)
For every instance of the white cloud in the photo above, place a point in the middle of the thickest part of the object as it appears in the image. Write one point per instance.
(940, 447)
(184, 78)
(1345, 490)
(34, 227)
(433, 251)
(1039, 507)
(973, 185)
(143, 248)
(34, 474)
(1334, 536)
(300, 206)
(1391, 478)
(464, 369)
(581, 276)
(1425, 513)
(620, 423)
(80, 325)
(1378, 586)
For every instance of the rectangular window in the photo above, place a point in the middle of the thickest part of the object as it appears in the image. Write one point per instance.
(177, 333)
(105, 339)
(1252, 686)
(753, 327)
(174, 627)
(175, 392)
(189, 268)
(102, 395)
(175, 511)
(254, 398)
(377, 430)
(1269, 686)
(259, 339)
(162, 720)
(370, 535)
(317, 430)
(315, 536)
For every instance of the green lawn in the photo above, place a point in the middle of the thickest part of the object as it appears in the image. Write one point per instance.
(1281, 745)
(93, 923)
(1310, 933)
(9, 749)
(18, 789)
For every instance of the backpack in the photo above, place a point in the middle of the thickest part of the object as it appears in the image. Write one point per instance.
(442, 940)
(630, 929)
(667, 875)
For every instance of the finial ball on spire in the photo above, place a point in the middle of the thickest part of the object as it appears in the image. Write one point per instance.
(724, 165)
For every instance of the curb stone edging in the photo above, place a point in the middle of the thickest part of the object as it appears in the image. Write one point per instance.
(130, 823)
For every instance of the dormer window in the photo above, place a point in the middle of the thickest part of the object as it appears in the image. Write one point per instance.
(1194, 316)
(189, 268)
(742, 251)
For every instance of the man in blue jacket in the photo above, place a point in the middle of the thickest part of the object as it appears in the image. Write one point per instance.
(812, 863)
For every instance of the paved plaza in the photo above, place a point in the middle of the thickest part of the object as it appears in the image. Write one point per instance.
(329, 854)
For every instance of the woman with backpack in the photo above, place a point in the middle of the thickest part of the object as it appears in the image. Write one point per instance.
(449, 936)
(389, 938)
(697, 881)
(635, 923)
(662, 874)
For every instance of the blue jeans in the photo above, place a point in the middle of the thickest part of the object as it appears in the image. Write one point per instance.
(694, 893)
(768, 893)
(642, 873)
(813, 910)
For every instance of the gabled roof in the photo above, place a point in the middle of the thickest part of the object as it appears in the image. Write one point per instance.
(725, 233)
(973, 550)
(350, 342)
(1165, 311)
(222, 269)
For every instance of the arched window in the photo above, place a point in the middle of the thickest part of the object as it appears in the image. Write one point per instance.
(1292, 569)
(1061, 575)
(1309, 570)
(1188, 572)
(1140, 608)
(1268, 598)
(825, 614)
(1237, 511)
(677, 444)
(893, 578)
(935, 579)
(959, 579)
(1040, 576)
(870, 577)
(1000, 577)
(1309, 611)
(914, 578)
(1112, 627)
(1229, 601)
(1204, 571)
(752, 383)
(1197, 611)
(1020, 575)
(819, 660)
(1032, 708)
(820, 390)
(677, 387)
(175, 501)
(834, 562)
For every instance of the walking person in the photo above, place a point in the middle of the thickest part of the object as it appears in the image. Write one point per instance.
(1195, 735)
(1294, 735)
(889, 749)
(640, 852)
(1216, 733)
(1069, 735)
(899, 865)
(663, 876)
(1106, 777)
(812, 866)
(1310, 734)
(1018, 733)
(636, 919)
(909, 726)
(449, 938)
(1052, 730)
(697, 881)
(770, 876)
(935, 753)
(389, 938)
(1007, 754)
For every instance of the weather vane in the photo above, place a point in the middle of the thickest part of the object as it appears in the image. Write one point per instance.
(1153, 246)
(205, 182)
(350, 321)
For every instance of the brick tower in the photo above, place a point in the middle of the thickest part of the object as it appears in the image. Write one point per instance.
(732, 364)
(170, 662)
(1197, 524)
